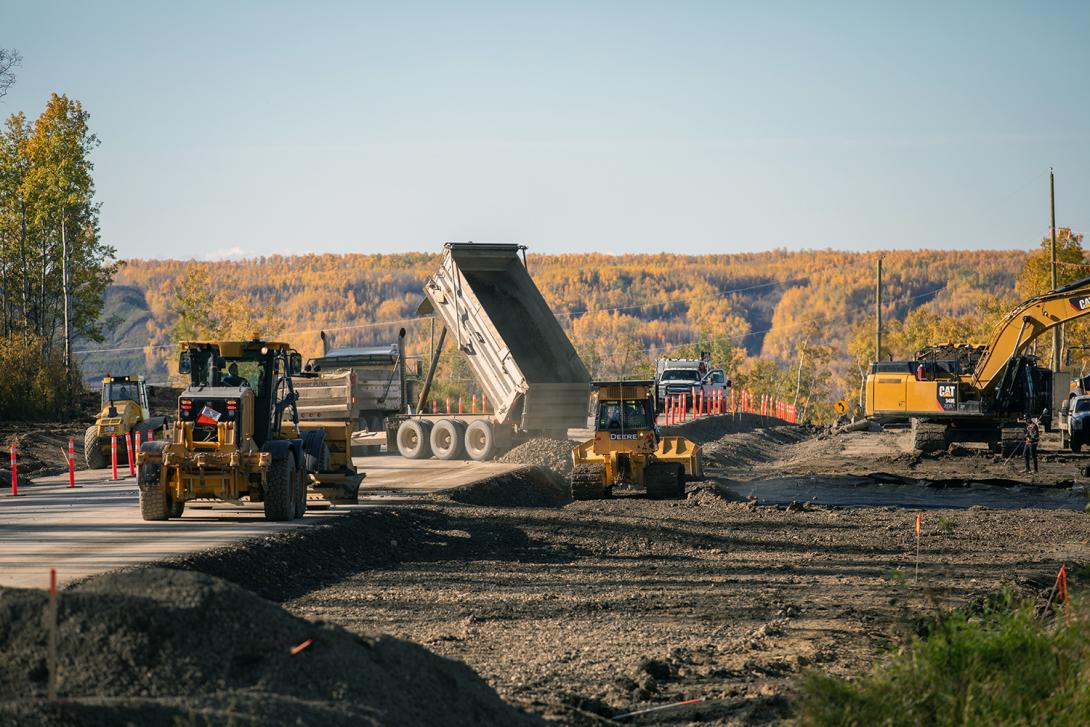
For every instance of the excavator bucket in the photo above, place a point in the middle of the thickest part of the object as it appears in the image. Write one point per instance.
(685, 451)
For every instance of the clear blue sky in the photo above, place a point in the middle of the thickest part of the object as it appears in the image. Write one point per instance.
(253, 128)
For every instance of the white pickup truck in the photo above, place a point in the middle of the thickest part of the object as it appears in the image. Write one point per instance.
(675, 376)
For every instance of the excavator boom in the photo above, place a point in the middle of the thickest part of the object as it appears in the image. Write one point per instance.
(1026, 323)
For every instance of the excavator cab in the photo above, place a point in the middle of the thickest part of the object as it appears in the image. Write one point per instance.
(627, 449)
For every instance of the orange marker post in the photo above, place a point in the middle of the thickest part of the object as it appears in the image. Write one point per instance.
(128, 450)
(113, 454)
(448, 406)
(459, 405)
(71, 462)
(14, 474)
(1061, 590)
(473, 404)
(484, 403)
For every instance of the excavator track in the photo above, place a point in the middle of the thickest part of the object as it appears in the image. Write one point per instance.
(588, 482)
(928, 436)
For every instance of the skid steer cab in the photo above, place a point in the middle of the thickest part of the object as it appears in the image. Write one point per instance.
(627, 448)
(237, 436)
(124, 410)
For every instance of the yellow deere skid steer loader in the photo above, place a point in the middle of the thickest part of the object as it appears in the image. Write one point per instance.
(627, 449)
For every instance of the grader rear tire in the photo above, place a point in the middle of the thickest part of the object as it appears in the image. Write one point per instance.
(664, 481)
(280, 490)
(92, 455)
(588, 482)
(153, 494)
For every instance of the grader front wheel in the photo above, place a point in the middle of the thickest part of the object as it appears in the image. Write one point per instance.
(588, 482)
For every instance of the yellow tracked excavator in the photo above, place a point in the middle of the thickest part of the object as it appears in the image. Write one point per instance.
(962, 392)
(627, 449)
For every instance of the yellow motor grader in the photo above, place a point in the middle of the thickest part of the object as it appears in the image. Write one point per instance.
(124, 411)
(238, 435)
(627, 449)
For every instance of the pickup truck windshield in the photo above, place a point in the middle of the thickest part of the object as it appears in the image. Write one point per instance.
(680, 375)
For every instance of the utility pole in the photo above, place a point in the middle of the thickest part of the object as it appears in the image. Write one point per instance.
(878, 313)
(1056, 332)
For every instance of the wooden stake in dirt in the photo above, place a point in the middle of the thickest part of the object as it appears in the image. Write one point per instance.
(1061, 590)
(918, 547)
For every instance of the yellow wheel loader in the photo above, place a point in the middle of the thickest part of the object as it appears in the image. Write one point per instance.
(238, 436)
(627, 449)
(124, 411)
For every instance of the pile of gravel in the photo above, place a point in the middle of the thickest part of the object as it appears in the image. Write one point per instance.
(553, 454)
(526, 487)
(157, 646)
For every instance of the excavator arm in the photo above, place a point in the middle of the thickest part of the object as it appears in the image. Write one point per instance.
(1025, 324)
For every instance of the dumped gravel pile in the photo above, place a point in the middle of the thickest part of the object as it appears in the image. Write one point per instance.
(166, 647)
(527, 487)
(553, 454)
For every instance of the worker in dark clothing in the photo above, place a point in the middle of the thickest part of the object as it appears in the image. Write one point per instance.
(1033, 435)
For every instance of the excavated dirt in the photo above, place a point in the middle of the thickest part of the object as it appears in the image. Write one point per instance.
(553, 454)
(583, 612)
(168, 647)
(527, 487)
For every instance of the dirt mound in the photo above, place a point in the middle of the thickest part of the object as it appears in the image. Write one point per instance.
(751, 448)
(709, 429)
(526, 487)
(160, 646)
(553, 454)
(42, 449)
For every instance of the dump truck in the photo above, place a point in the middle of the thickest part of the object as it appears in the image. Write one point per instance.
(627, 449)
(124, 411)
(375, 378)
(238, 436)
(964, 392)
(529, 372)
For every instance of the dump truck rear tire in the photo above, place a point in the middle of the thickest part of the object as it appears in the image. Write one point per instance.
(480, 440)
(414, 439)
(664, 481)
(448, 439)
(588, 482)
(279, 489)
(92, 455)
(153, 493)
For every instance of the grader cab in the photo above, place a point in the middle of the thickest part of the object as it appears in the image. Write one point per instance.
(627, 449)
(238, 435)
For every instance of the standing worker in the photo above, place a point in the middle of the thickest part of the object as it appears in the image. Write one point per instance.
(1033, 434)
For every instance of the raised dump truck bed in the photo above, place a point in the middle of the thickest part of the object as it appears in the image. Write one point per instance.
(520, 356)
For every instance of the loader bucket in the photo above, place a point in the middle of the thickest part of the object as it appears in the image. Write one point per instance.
(683, 450)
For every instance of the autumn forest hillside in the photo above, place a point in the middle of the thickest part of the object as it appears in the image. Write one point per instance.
(758, 312)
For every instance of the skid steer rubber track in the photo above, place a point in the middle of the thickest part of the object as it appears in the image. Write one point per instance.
(664, 481)
(588, 482)
(928, 436)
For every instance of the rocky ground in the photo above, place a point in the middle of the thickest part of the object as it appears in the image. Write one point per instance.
(582, 612)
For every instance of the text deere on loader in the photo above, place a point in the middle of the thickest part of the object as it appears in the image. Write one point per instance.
(627, 449)
(124, 411)
(234, 440)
